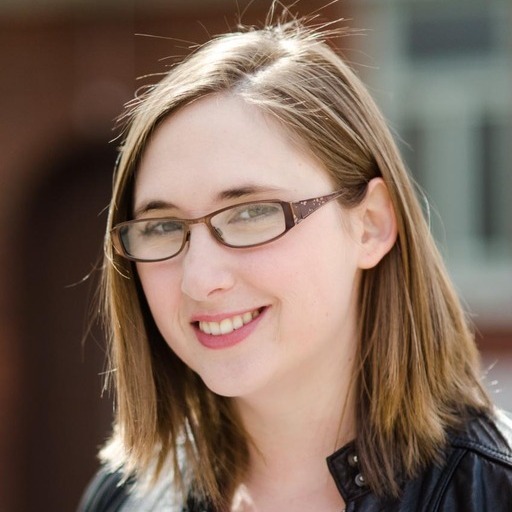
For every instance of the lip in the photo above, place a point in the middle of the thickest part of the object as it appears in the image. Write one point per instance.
(225, 340)
(207, 317)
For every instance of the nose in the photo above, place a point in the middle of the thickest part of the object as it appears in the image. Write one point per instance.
(206, 269)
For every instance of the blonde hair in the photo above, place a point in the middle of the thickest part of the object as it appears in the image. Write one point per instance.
(417, 375)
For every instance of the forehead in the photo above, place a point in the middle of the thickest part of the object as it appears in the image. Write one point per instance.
(222, 143)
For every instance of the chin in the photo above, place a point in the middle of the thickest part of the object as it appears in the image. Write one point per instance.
(235, 385)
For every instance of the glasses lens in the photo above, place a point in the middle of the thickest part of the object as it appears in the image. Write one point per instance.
(153, 239)
(250, 224)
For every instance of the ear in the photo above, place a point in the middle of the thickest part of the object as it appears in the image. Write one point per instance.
(378, 229)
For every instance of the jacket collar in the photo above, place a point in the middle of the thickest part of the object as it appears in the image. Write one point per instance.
(344, 468)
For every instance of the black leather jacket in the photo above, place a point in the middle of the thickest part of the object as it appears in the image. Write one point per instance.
(476, 476)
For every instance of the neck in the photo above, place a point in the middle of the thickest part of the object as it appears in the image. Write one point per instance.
(293, 429)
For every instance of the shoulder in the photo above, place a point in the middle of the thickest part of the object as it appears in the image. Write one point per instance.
(489, 436)
(107, 492)
(110, 492)
(477, 474)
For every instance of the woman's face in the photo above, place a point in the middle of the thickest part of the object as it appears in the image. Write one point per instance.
(296, 296)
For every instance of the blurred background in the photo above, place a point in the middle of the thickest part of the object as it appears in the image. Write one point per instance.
(440, 69)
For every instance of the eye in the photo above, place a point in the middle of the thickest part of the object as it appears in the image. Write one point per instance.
(160, 228)
(254, 212)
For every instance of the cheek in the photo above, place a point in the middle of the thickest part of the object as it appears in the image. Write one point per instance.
(163, 293)
(162, 290)
(316, 275)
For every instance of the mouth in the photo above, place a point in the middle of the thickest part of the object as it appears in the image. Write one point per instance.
(228, 325)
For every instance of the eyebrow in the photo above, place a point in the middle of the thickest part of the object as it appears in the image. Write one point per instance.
(247, 190)
(230, 193)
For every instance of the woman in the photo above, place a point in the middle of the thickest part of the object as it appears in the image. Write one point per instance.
(284, 336)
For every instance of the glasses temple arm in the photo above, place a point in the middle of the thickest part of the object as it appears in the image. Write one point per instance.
(303, 209)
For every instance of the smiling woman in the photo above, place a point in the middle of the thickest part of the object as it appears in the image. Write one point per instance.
(283, 333)
(265, 283)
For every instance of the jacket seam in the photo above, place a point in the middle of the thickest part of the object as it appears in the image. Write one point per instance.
(483, 450)
(446, 478)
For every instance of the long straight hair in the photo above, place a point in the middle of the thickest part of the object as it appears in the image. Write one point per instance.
(417, 375)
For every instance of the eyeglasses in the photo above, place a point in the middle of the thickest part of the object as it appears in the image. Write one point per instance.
(239, 226)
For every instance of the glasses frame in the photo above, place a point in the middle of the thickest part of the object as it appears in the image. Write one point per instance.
(294, 213)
